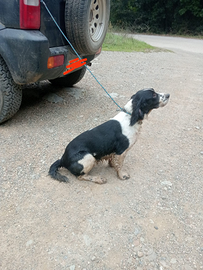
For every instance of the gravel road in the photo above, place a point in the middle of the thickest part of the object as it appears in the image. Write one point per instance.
(151, 221)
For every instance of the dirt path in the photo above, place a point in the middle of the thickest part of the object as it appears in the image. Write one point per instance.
(174, 43)
(151, 221)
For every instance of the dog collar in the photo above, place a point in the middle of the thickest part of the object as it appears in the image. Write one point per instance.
(124, 110)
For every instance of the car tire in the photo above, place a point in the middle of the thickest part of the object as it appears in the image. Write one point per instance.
(71, 79)
(10, 93)
(86, 24)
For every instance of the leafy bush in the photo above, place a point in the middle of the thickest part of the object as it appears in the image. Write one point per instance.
(158, 16)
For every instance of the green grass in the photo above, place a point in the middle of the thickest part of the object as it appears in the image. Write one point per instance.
(123, 43)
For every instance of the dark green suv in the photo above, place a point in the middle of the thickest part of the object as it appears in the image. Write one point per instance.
(33, 49)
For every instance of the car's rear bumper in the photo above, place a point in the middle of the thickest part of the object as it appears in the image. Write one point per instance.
(26, 53)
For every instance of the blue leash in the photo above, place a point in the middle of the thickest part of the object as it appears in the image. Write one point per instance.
(80, 57)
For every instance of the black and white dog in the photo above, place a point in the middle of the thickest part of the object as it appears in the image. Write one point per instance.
(108, 141)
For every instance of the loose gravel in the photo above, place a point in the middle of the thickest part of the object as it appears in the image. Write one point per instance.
(151, 221)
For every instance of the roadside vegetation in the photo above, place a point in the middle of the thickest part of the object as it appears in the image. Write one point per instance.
(179, 17)
(123, 43)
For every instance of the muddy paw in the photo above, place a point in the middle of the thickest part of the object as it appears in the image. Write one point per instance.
(124, 176)
(100, 180)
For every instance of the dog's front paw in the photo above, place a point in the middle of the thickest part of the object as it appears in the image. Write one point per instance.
(100, 180)
(123, 175)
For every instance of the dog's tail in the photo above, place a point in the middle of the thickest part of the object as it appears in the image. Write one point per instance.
(53, 171)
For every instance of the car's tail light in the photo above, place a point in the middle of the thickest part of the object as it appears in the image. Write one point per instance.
(29, 14)
(55, 61)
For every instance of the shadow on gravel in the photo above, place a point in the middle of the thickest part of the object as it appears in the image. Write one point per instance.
(34, 93)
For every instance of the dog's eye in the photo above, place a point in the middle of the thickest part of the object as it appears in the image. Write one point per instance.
(154, 95)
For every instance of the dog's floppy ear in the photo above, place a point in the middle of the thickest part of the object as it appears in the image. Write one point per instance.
(137, 113)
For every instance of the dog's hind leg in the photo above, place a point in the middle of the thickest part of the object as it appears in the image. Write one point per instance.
(95, 179)
(88, 163)
(116, 161)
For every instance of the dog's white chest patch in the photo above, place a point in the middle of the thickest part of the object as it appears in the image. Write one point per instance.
(131, 132)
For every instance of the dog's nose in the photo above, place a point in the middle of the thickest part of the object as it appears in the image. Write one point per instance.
(167, 96)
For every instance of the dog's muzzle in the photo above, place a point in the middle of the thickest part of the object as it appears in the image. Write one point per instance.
(163, 99)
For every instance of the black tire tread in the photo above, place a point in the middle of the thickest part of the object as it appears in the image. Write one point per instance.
(10, 91)
(74, 17)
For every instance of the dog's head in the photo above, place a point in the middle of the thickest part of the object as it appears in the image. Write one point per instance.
(143, 102)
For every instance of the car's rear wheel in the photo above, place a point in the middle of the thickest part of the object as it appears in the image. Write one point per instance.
(70, 79)
(86, 24)
(10, 93)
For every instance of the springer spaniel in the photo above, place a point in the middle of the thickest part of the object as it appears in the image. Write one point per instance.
(108, 141)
